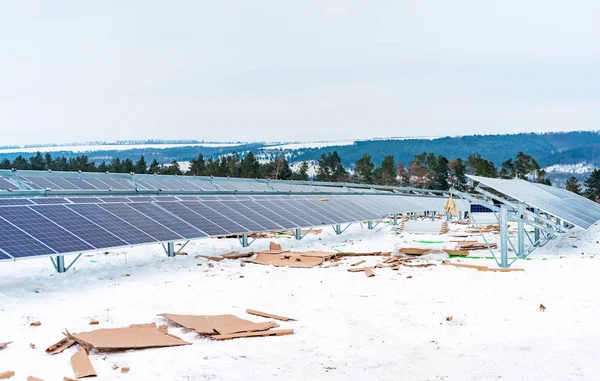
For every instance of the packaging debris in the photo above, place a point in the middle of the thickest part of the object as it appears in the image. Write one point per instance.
(413, 251)
(280, 332)
(235, 255)
(82, 366)
(2, 345)
(94, 322)
(475, 246)
(358, 263)
(274, 246)
(32, 345)
(7, 374)
(60, 346)
(369, 272)
(35, 324)
(137, 336)
(287, 260)
(369, 254)
(31, 378)
(268, 315)
(218, 324)
(480, 268)
(125, 370)
(458, 253)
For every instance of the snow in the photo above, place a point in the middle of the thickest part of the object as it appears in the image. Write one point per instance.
(296, 146)
(109, 147)
(579, 168)
(349, 327)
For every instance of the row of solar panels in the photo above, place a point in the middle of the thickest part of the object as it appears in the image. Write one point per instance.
(557, 202)
(105, 181)
(40, 230)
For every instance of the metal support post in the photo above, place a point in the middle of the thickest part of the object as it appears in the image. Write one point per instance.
(415, 216)
(395, 219)
(448, 217)
(60, 264)
(298, 234)
(432, 216)
(370, 225)
(170, 249)
(245, 240)
(337, 229)
(521, 232)
(504, 236)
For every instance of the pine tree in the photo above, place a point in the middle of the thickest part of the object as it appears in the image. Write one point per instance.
(386, 174)
(441, 174)
(573, 185)
(403, 175)
(364, 169)
(250, 166)
(127, 166)
(330, 168)
(507, 171)
(302, 174)
(458, 171)
(592, 185)
(154, 167)
(141, 166)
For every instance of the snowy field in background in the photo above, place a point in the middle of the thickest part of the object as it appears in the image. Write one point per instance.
(295, 146)
(350, 327)
(110, 147)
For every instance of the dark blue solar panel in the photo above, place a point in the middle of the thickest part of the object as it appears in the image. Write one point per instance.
(216, 217)
(81, 227)
(140, 198)
(43, 230)
(254, 216)
(117, 183)
(79, 183)
(339, 214)
(328, 216)
(114, 199)
(145, 184)
(113, 224)
(38, 182)
(165, 198)
(288, 221)
(476, 208)
(61, 183)
(19, 244)
(5, 184)
(49, 200)
(195, 219)
(305, 213)
(97, 183)
(167, 219)
(234, 215)
(281, 209)
(4, 256)
(141, 222)
(15, 201)
(185, 198)
(85, 200)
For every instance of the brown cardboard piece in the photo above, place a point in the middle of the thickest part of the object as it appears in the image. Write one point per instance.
(35, 324)
(82, 366)
(213, 324)
(368, 254)
(280, 332)
(369, 272)
(135, 337)
(413, 251)
(274, 246)
(287, 260)
(31, 378)
(94, 322)
(234, 255)
(125, 370)
(461, 253)
(2, 345)
(7, 374)
(68, 379)
(60, 346)
(268, 315)
(358, 263)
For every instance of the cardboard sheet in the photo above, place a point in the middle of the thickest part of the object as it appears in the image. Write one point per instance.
(369, 272)
(60, 346)
(82, 366)
(316, 254)
(246, 327)
(134, 337)
(280, 332)
(268, 315)
(31, 378)
(235, 255)
(287, 260)
(358, 263)
(274, 246)
(205, 324)
(2, 345)
(365, 254)
(7, 374)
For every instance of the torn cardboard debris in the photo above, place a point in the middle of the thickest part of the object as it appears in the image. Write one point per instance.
(7, 374)
(60, 346)
(94, 322)
(213, 324)
(35, 324)
(125, 370)
(31, 378)
(358, 263)
(135, 337)
(268, 315)
(413, 251)
(274, 246)
(2, 345)
(82, 366)
(235, 255)
(280, 332)
(287, 260)
(369, 272)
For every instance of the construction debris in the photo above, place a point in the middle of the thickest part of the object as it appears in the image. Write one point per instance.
(60, 346)
(457, 253)
(274, 246)
(413, 251)
(31, 378)
(7, 374)
(94, 322)
(32, 345)
(369, 272)
(423, 227)
(358, 263)
(135, 337)
(125, 370)
(542, 308)
(268, 315)
(280, 332)
(35, 324)
(475, 246)
(82, 366)
(218, 324)
(480, 268)
(2, 345)
(235, 255)
(287, 260)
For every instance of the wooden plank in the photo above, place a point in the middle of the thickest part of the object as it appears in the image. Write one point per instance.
(277, 332)
(268, 315)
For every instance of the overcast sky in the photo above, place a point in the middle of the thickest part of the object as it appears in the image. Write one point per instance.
(74, 71)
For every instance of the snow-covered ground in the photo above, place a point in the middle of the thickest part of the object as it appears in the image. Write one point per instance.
(350, 327)
(302, 145)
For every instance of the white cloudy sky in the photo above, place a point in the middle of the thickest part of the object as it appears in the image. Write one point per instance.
(303, 70)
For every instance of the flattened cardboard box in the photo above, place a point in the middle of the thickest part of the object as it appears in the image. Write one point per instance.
(287, 260)
(134, 337)
(60, 346)
(268, 315)
(212, 324)
(2, 345)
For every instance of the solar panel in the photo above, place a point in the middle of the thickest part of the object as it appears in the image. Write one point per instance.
(252, 216)
(80, 226)
(279, 208)
(197, 220)
(111, 223)
(140, 198)
(142, 222)
(79, 183)
(62, 183)
(97, 183)
(117, 183)
(278, 219)
(217, 217)
(114, 199)
(20, 244)
(37, 182)
(306, 208)
(6, 185)
(85, 200)
(15, 201)
(43, 229)
(311, 217)
(49, 200)
(167, 219)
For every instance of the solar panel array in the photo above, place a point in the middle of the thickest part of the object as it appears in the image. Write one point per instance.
(42, 226)
(560, 203)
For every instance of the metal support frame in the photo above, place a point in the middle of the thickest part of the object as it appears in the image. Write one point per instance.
(59, 264)
(298, 233)
(338, 228)
(395, 219)
(370, 225)
(521, 231)
(170, 248)
(415, 216)
(504, 236)
(432, 215)
(244, 240)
